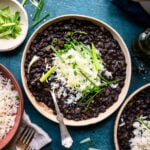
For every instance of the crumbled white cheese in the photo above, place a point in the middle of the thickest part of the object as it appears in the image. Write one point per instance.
(141, 139)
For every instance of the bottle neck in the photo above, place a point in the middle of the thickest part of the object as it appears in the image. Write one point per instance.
(144, 41)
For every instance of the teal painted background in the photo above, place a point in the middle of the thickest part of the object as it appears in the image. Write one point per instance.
(101, 133)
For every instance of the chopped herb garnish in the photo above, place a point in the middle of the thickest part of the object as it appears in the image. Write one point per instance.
(70, 56)
(17, 97)
(75, 73)
(69, 33)
(74, 64)
(143, 123)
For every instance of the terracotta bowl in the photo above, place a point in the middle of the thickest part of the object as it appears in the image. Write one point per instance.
(129, 99)
(11, 44)
(48, 112)
(7, 74)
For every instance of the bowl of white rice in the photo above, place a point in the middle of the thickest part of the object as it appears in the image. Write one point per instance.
(11, 106)
(132, 126)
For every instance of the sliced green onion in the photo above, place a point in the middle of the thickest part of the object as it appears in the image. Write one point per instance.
(95, 59)
(86, 48)
(8, 24)
(143, 123)
(47, 74)
(88, 102)
(77, 48)
(5, 34)
(39, 20)
(103, 78)
(38, 10)
(34, 2)
(85, 140)
(23, 2)
(83, 98)
(54, 50)
(81, 71)
(80, 32)
(109, 83)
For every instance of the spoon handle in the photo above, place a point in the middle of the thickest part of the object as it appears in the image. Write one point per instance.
(66, 139)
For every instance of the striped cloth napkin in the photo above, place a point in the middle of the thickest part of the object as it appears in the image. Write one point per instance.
(40, 139)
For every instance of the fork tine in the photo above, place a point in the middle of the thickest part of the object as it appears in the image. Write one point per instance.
(23, 133)
(26, 135)
(29, 148)
(30, 136)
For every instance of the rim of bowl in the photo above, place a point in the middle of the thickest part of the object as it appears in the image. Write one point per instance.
(122, 109)
(45, 111)
(24, 28)
(9, 136)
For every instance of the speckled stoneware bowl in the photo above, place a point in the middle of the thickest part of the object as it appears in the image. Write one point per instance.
(7, 74)
(47, 112)
(11, 44)
(129, 99)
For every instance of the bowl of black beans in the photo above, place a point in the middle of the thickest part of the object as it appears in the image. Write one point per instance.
(84, 60)
(132, 126)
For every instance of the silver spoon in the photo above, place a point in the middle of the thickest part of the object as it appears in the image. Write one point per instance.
(66, 139)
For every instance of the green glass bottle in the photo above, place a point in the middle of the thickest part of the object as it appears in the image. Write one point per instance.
(141, 45)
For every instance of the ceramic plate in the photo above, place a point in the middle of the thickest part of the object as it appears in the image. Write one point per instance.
(11, 44)
(47, 112)
(7, 74)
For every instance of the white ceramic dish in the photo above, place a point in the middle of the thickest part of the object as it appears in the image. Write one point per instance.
(129, 99)
(11, 44)
(43, 109)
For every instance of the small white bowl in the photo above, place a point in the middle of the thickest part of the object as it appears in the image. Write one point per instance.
(11, 44)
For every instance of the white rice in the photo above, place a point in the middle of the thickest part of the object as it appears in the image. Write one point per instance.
(8, 106)
(68, 73)
(141, 139)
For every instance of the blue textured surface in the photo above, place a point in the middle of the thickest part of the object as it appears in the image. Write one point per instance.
(101, 133)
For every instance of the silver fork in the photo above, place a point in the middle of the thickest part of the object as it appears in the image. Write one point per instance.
(25, 138)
